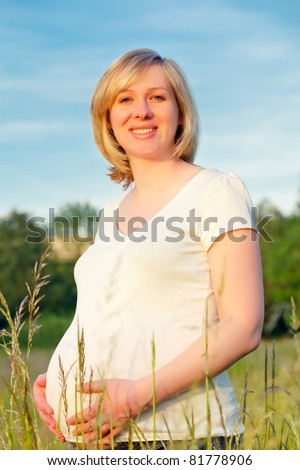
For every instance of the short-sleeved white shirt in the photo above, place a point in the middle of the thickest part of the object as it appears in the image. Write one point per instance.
(152, 291)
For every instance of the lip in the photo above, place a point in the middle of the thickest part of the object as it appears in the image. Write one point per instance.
(143, 131)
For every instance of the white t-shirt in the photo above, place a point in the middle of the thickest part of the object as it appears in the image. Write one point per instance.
(152, 290)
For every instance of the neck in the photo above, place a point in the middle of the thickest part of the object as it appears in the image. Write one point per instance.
(150, 176)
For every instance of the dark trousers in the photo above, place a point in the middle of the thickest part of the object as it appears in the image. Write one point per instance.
(217, 443)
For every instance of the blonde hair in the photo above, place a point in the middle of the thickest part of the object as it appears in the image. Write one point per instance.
(123, 71)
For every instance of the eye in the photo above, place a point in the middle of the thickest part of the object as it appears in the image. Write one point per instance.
(157, 98)
(125, 99)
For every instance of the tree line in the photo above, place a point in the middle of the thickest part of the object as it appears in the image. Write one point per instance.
(24, 238)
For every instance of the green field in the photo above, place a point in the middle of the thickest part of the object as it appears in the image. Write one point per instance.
(267, 385)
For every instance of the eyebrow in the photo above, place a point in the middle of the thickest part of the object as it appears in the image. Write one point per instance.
(148, 89)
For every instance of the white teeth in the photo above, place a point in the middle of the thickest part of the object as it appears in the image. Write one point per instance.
(142, 131)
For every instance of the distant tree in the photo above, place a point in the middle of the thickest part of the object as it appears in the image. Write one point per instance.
(281, 261)
(60, 293)
(22, 241)
(77, 220)
(17, 257)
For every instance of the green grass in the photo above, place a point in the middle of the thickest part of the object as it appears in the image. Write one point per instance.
(261, 412)
(267, 382)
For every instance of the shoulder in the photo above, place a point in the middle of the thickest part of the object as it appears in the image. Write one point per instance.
(225, 193)
(218, 184)
(216, 178)
(225, 205)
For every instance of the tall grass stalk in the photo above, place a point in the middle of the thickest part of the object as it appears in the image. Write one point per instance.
(153, 391)
(207, 382)
(19, 428)
(295, 327)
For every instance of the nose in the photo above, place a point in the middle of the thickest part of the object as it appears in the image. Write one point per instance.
(142, 110)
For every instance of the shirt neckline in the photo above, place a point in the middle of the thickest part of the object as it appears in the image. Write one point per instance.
(162, 209)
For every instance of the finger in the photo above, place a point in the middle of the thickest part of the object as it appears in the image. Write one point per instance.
(108, 440)
(42, 405)
(105, 429)
(86, 415)
(39, 398)
(91, 436)
(41, 380)
(48, 420)
(58, 434)
(92, 431)
(92, 428)
(85, 428)
(96, 386)
(54, 430)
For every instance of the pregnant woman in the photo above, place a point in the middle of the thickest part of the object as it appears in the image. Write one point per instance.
(170, 294)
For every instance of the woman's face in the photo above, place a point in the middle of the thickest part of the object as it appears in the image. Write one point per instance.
(145, 116)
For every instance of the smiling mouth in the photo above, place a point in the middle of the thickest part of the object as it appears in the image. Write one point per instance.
(143, 131)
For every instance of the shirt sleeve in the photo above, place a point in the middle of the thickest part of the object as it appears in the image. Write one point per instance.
(227, 207)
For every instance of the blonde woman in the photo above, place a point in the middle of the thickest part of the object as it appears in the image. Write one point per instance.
(170, 294)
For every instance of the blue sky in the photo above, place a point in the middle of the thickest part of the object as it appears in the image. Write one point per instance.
(242, 60)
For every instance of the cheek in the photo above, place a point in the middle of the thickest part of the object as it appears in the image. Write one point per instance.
(113, 118)
(172, 115)
(117, 119)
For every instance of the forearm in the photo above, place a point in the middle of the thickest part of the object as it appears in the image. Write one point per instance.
(207, 356)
